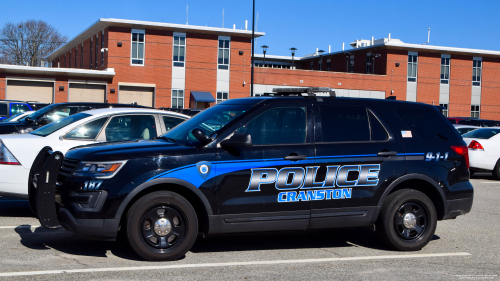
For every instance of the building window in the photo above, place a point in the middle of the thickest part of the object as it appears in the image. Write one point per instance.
(91, 44)
(81, 56)
(476, 71)
(177, 98)
(102, 48)
(223, 57)
(328, 65)
(96, 50)
(445, 109)
(445, 70)
(138, 40)
(311, 66)
(351, 64)
(221, 96)
(179, 50)
(368, 63)
(320, 64)
(474, 111)
(412, 67)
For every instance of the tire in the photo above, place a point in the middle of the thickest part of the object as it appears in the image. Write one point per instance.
(415, 234)
(496, 171)
(161, 226)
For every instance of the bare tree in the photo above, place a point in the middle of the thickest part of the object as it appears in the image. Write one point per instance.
(29, 42)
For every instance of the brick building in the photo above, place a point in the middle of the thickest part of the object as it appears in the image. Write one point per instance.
(168, 65)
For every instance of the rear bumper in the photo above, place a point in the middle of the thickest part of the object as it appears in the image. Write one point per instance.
(103, 228)
(480, 160)
(457, 207)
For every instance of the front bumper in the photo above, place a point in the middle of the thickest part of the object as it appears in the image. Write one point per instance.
(100, 228)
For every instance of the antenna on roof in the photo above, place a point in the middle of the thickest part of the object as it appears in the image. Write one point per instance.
(428, 36)
(222, 17)
(187, 13)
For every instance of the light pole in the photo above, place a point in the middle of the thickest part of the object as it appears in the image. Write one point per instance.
(264, 49)
(253, 43)
(293, 54)
(320, 66)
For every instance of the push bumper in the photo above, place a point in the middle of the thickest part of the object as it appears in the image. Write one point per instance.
(104, 228)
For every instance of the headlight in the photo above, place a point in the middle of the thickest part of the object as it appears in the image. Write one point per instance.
(100, 170)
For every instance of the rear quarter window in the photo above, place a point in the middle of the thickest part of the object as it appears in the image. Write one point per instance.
(427, 124)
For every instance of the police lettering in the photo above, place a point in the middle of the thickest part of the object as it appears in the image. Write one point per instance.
(293, 178)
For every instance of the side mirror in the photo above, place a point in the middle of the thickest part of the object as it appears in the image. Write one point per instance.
(237, 140)
(199, 134)
(43, 121)
(28, 120)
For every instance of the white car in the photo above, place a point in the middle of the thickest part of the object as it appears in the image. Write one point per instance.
(18, 152)
(484, 150)
(17, 117)
(464, 129)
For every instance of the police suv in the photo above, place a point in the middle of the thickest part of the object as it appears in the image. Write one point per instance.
(287, 161)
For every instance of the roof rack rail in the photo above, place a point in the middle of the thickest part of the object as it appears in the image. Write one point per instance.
(297, 91)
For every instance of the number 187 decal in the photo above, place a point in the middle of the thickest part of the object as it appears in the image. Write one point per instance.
(438, 157)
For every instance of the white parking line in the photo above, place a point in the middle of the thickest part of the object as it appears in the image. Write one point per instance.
(490, 182)
(206, 265)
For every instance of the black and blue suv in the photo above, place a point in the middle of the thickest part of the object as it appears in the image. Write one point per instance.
(269, 163)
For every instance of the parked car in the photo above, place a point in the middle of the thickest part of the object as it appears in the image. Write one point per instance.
(264, 164)
(17, 152)
(17, 117)
(53, 113)
(477, 122)
(484, 150)
(12, 107)
(463, 129)
(455, 120)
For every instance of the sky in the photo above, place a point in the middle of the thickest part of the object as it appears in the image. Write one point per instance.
(305, 25)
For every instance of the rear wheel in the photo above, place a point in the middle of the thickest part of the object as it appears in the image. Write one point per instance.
(407, 220)
(162, 226)
(496, 171)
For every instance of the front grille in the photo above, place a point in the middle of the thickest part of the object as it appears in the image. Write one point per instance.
(67, 168)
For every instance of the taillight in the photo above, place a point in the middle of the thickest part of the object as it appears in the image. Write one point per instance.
(6, 157)
(462, 150)
(475, 145)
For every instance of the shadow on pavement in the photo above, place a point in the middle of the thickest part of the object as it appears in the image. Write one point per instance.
(332, 238)
(69, 243)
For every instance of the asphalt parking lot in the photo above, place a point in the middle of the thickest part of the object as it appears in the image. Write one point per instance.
(466, 248)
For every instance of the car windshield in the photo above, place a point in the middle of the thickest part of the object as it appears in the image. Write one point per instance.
(482, 133)
(49, 129)
(14, 117)
(37, 114)
(209, 121)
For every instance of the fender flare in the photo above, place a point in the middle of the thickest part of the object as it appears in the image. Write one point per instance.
(150, 183)
(402, 179)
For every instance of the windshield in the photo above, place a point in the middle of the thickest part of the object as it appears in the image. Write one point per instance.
(14, 117)
(35, 115)
(209, 121)
(49, 129)
(483, 133)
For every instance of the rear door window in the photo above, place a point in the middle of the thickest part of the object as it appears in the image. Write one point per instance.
(350, 124)
(170, 122)
(427, 124)
(3, 109)
(131, 127)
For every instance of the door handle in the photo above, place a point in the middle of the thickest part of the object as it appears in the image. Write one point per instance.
(295, 157)
(387, 153)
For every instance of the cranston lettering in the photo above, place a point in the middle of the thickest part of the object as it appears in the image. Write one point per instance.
(310, 195)
(292, 178)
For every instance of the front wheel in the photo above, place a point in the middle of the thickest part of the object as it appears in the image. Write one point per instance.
(407, 220)
(161, 226)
